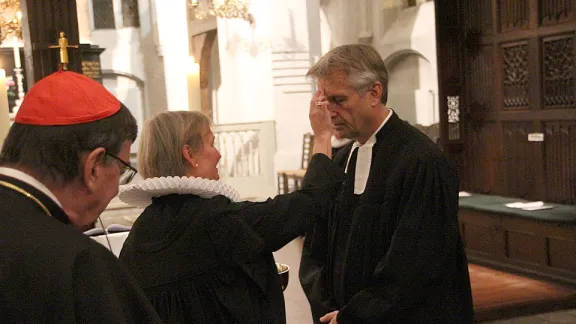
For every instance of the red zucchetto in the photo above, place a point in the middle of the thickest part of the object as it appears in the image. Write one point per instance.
(66, 98)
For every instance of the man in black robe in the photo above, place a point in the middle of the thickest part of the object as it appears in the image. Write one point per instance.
(391, 250)
(60, 166)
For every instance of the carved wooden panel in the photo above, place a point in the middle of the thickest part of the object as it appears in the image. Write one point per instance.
(454, 130)
(558, 72)
(517, 244)
(518, 165)
(481, 151)
(513, 14)
(561, 253)
(515, 75)
(560, 161)
(479, 13)
(481, 81)
(552, 12)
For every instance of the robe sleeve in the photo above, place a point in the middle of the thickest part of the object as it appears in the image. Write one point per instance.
(104, 291)
(278, 221)
(422, 245)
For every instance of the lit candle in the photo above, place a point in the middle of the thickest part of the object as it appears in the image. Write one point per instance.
(17, 44)
(18, 63)
(193, 85)
(4, 109)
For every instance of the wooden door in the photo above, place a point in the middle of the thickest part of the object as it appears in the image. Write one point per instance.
(508, 101)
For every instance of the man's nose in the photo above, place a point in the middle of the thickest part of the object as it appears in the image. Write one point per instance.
(332, 110)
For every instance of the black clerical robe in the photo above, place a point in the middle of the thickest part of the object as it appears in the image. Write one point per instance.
(393, 254)
(51, 273)
(209, 260)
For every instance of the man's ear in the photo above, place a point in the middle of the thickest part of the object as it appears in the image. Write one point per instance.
(188, 156)
(375, 93)
(92, 168)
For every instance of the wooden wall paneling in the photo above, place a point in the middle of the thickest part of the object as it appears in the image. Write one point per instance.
(449, 51)
(42, 20)
(557, 11)
(514, 59)
(482, 233)
(514, 14)
(519, 165)
(558, 72)
(560, 161)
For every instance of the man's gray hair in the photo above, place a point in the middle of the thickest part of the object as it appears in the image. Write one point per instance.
(362, 63)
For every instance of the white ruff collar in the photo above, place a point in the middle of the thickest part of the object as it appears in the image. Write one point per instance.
(141, 194)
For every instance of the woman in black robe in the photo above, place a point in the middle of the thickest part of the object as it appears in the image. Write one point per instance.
(201, 256)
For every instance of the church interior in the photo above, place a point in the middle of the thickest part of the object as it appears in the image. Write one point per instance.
(491, 82)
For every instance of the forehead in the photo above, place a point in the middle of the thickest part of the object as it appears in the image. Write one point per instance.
(334, 83)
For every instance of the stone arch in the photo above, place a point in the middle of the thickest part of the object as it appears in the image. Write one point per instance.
(398, 55)
(412, 86)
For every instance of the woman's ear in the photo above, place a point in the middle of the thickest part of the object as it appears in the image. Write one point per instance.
(91, 169)
(188, 156)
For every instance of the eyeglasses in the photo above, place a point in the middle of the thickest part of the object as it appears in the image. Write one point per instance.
(127, 172)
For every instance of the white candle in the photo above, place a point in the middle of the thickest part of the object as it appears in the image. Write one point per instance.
(17, 53)
(4, 109)
(193, 74)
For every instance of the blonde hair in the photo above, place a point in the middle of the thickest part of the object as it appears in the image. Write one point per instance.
(163, 136)
(362, 63)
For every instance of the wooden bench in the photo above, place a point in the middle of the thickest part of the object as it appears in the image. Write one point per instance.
(541, 242)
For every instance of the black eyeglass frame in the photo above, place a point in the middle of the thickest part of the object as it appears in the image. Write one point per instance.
(126, 167)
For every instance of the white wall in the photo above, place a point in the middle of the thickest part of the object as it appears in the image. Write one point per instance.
(291, 59)
(245, 91)
(173, 45)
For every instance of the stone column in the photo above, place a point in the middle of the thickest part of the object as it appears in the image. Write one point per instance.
(84, 21)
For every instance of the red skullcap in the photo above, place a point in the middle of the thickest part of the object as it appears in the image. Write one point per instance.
(66, 98)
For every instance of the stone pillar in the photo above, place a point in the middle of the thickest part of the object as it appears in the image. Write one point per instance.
(175, 49)
(84, 21)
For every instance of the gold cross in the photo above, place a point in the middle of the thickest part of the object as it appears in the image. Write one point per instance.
(63, 46)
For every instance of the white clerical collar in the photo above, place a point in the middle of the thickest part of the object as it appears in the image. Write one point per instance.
(24, 177)
(364, 159)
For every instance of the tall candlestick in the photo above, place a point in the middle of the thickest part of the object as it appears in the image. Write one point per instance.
(18, 63)
(193, 85)
(4, 109)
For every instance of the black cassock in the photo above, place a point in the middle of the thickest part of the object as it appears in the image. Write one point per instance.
(51, 273)
(393, 254)
(209, 260)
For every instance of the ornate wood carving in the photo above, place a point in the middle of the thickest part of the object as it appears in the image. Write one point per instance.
(518, 168)
(515, 75)
(558, 72)
(560, 161)
(552, 12)
(453, 103)
(513, 14)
